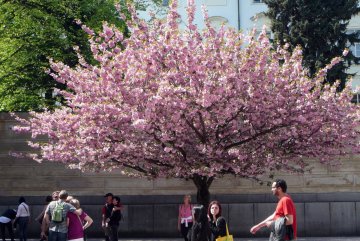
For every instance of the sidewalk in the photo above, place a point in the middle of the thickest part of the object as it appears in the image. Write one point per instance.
(246, 239)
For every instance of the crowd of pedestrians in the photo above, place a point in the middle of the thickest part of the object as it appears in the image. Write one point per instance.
(62, 218)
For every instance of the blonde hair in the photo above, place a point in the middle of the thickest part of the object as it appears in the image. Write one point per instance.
(75, 203)
(188, 197)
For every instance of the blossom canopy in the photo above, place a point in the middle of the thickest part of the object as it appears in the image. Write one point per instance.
(179, 102)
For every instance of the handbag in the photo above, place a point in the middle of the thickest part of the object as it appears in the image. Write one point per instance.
(228, 237)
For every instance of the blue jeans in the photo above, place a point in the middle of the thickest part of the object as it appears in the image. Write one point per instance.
(57, 236)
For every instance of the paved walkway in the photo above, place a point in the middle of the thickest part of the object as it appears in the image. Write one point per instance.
(236, 239)
(247, 239)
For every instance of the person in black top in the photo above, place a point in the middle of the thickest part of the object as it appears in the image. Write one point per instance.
(6, 221)
(200, 230)
(114, 219)
(106, 212)
(217, 222)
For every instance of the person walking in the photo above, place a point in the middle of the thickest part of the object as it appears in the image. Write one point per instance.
(285, 210)
(55, 215)
(77, 224)
(216, 221)
(22, 218)
(185, 220)
(200, 230)
(6, 222)
(106, 212)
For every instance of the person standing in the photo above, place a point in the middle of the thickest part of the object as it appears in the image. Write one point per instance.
(216, 221)
(77, 224)
(22, 218)
(284, 209)
(200, 230)
(40, 217)
(58, 210)
(44, 223)
(106, 212)
(6, 221)
(185, 220)
(114, 219)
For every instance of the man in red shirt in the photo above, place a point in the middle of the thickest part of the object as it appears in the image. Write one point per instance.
(285, 208)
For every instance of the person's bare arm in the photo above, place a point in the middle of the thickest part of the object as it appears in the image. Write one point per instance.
(44, 225)
(89, 221)
(289, 219)
(265, 222)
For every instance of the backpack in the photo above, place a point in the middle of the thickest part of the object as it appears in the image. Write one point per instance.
(57, 213)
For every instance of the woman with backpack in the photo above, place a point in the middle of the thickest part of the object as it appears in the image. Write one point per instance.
(185, 221)
(114, 219)
(22, 218)
(77, 224)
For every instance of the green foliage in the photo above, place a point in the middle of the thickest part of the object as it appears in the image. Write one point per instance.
(320, 27)
(33, 31)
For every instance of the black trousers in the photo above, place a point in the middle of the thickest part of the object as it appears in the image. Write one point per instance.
(114, 233)
(9, 228)
(185, 230)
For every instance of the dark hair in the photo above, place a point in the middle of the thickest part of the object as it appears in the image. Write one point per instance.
(281, 183)
(209, 210)
(199, 214)
(48, 199)
(21, 200)
(201, 220)
(117, 199)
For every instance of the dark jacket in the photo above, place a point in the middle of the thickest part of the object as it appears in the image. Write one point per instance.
(9, 213)
(115, 218)
(218, 228)
(199, 232)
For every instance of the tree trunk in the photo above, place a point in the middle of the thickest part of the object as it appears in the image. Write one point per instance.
(202, 184)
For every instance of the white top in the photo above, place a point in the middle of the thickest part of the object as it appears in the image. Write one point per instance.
(23, 210)
(4, 219)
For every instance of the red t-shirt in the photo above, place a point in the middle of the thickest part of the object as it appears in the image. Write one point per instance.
(284, 207)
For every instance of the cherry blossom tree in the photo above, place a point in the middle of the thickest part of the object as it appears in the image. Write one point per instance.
(180, 102)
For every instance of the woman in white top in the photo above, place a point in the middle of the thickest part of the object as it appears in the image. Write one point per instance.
(22, 218)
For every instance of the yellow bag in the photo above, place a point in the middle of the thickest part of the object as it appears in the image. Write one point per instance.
(228, 237)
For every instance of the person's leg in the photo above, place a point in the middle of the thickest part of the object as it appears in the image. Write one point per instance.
(2, 230)
(22, 226)
(62, 237)
(184, 231)
(11, 231)
(106, 234)
(114, 233)
(26, 222)
(52, 236)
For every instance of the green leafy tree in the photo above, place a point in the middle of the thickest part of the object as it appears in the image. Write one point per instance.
(32, 31)
(320, 28)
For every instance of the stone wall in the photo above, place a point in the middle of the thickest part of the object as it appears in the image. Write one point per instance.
(321, 212)
(325, 214)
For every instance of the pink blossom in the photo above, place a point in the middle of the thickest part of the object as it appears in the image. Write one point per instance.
(190, 102)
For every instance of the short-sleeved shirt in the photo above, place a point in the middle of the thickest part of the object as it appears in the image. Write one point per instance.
(75, 229)
(284, 207)
(59, 227)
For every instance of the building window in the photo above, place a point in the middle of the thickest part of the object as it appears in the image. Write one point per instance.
(355, 49)
(258, 1)
(356, 99)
